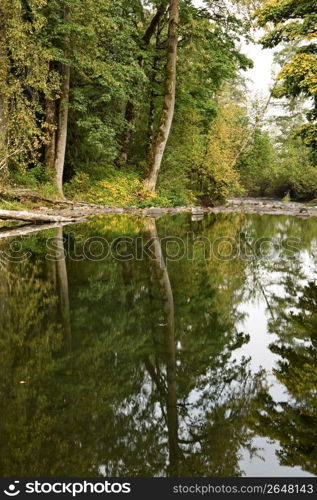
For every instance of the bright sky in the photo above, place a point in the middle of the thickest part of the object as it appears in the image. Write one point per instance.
(261, 75)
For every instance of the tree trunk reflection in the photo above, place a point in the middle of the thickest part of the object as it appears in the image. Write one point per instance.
(170, 395)
(62, 280)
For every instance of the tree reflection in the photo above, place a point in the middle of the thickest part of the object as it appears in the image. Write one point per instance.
(28, 345)
(197, 416)
(150, 385)
(294, 422)
(170, 395)
(62, 278)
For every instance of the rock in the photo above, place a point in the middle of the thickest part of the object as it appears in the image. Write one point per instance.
(154, 212)
(173, 211)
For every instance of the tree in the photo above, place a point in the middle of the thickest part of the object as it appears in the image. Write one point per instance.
(166, 119)
(257, 165)
(78, 78)
(24, 79)
(208, 59)
(294, 22)
(62, 118)
(130, 112)
(217, 174)
(3, 102)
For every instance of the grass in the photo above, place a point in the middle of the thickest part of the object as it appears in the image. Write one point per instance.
(6, 204)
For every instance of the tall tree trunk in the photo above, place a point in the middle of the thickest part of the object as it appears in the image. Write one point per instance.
(153, 94)
(129, 120)
(3, 109)
(3, 139)
(130, 113)
(62, 119)
(159, 145)
(50, 147)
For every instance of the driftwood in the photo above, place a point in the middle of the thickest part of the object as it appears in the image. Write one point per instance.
(33, 217)
(15, 232)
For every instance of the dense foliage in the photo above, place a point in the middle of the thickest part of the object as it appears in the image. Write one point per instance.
(82, 85)
(295, 22)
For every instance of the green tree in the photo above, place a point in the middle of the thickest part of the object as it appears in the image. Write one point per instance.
(257, 165)
(295, 23)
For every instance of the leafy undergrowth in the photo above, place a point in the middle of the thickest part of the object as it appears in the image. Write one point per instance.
(119, 188)
(122, 189)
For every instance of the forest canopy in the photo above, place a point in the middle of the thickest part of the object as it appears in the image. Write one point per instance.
(146, 102)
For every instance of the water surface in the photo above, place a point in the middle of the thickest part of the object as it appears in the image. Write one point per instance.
(181, 346)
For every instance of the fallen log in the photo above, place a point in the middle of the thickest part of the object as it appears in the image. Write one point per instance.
(33, 217)
(29, 229)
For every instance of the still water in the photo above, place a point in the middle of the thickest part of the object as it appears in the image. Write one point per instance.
(180, 346)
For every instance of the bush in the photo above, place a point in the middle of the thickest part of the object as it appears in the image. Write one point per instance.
(299, 182)
(118, 188)
(282, 172)
(25, 178)
(124, 188)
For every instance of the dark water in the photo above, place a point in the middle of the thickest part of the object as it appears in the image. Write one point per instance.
(114, 363)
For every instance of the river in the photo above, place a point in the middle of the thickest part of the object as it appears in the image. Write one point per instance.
(179, 346)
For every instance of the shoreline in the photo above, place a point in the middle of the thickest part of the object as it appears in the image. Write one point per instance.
(233, 205)
(78, 210)
(43, 218)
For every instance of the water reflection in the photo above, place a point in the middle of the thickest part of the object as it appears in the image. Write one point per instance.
(141, 368)
(294, 422)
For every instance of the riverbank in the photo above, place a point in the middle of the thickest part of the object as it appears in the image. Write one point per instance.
(242, 205)
(76, 210)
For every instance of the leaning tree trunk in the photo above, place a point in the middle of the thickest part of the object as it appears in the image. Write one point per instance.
(160, 141)
(62, 120)
(153, 95)
(150, 124)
